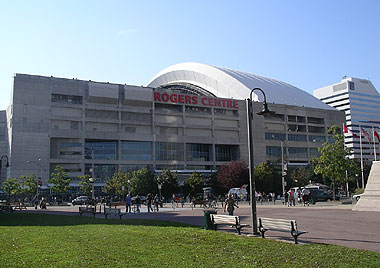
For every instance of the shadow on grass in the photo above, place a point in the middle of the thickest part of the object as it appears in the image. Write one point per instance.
(43, 219)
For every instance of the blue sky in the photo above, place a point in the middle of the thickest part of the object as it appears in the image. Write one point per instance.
(308, 44)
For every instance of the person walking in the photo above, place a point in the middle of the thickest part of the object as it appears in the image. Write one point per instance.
(149, 202)
(128, 203)
(292, 197)
(35, 202)
(138, 203)
(230, 205)
(156, 202)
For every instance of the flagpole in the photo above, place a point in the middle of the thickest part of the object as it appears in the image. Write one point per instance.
(374, 144)
(361, 155)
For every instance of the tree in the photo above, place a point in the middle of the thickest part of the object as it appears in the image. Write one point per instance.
(234, 174)
(195, 183)
(11, 186)
(85, 185)
(115, 184)
(29, 184)
(59, 180)
(266, 179)
(169, 182)
(142, 182)
(333, 160)
(301, 176)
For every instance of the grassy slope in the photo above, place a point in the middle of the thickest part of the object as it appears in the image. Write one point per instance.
(33, 240)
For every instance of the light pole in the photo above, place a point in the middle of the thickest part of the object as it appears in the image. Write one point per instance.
(1, 163)
(129, 187)
(283, 169)
(38, 173)
(92, 178)
(264, 112)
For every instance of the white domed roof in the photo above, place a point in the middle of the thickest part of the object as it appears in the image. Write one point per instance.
(227, 83)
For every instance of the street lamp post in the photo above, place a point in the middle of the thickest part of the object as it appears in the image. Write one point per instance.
(283, 171)
(264, 112)
(1, 163)
(129, 187)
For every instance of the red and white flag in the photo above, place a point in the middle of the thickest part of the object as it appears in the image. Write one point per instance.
(346, 130)
(366, 134)
(376, 135)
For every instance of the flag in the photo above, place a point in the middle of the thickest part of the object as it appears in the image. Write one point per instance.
(376, 135)
(366, 134)
(346, 130)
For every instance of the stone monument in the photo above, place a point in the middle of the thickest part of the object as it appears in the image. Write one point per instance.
(370, 200)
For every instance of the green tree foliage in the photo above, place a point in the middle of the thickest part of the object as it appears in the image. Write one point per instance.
(234, 174)
(301, 176)
(28, 184)
(115, 184)
(266, 179)
(169, 182)
(59, 180)
(142, 182)
(215, 184)
(11, 186)
(195, 183)
(85, 185)
(333, 161)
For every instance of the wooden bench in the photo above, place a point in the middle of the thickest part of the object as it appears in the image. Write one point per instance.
(114, 211)
(280, 225)
(20, 206)
(233, 221)
(87, 209)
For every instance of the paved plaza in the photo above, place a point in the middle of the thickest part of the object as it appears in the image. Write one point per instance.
(326, 222)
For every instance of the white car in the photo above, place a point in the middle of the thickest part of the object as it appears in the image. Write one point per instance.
(357, 196)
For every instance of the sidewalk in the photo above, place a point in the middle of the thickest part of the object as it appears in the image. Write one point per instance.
(326, 222)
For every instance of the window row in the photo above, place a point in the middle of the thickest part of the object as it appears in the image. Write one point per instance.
(294, 137)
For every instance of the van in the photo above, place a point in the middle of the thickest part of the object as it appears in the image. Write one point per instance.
(240, 192)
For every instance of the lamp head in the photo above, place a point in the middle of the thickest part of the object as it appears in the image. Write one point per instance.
(266, 111)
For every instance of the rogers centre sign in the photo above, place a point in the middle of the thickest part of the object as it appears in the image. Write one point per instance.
(194, 100)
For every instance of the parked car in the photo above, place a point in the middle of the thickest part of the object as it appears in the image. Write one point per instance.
(80, 200)
(320, 195)
(142, 198)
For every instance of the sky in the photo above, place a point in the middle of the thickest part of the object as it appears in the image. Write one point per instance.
(308, 44)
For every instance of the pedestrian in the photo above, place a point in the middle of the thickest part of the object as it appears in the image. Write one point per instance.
(149, 202)
(43, 203)
(156, 202)
(230, 205)
(292, 200)
(286, 197)
(128, 202)
(138, 203)
(305, 196)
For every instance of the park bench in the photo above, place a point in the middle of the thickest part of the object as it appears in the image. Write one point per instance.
(87, 209)
(233, 221)
(113, 211)
(280, 225)
(19, 205)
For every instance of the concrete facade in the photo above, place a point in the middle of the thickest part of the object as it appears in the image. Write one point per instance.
(76, 124)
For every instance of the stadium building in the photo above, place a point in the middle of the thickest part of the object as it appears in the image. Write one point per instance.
(189, 117)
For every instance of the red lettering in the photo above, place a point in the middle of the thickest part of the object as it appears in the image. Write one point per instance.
(211, 102)
(173, 98)
(187, 99)
(224, 102)
(195, 99)
(235, 104)
(204, 101)
(157, 96)
(217, 102)
(229, 103)
(180, 98)
(165, 97)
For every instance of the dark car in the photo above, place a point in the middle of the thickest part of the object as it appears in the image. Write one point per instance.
(320, 195)
(81, 200)
(142, 198)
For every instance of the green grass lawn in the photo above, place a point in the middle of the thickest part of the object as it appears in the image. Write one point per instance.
(37, 240)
